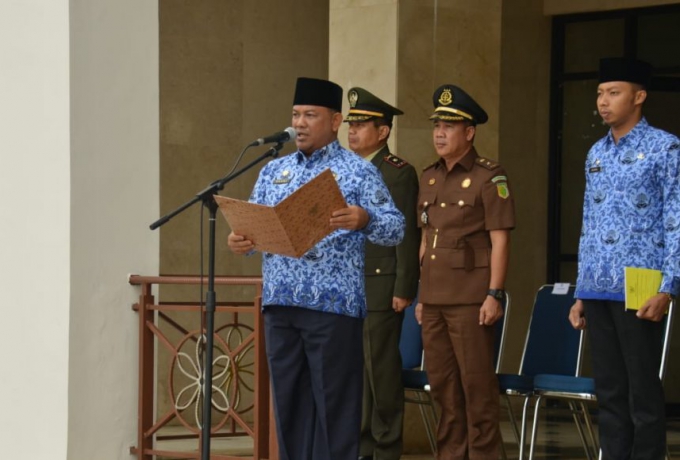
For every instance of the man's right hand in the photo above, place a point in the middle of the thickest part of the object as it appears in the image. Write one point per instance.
(238, 244)
(576, 318)
(419, 313)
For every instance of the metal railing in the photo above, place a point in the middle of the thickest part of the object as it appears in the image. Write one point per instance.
(240, 396)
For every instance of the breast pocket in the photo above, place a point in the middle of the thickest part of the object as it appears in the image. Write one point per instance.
(425, 203)
(462, 199)
(425, 200)
(461, 207)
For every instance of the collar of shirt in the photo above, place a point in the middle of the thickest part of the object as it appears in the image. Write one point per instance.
(319, 154)
(372, 155)
(632, 138)
(467, 162)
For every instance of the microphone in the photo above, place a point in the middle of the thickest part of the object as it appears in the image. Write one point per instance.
(282, 136)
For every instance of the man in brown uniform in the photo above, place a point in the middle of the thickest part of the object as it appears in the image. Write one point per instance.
(466, 212)
(392, 274)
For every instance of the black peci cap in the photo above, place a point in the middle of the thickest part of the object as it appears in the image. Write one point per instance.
(323, 93)
(453, 104)
(365, 106)
(625, 69)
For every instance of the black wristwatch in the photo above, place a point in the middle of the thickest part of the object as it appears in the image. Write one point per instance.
(497, 294)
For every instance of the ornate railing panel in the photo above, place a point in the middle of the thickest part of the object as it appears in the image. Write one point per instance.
(240, 396)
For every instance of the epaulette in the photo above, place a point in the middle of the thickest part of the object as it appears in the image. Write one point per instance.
(395, 161)
(486, 163)
(431, 165)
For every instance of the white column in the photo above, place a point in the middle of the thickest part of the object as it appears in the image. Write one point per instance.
(35, 227)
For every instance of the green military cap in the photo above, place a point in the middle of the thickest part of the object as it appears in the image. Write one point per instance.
(453, 104)
(365, 106)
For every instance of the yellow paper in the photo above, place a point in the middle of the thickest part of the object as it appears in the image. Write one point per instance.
(641, 284)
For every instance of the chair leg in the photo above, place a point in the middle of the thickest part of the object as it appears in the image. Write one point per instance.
(428, 419)
(513, 419)
(523, 434)
(534, 428)
(579, 428)
(589, 425)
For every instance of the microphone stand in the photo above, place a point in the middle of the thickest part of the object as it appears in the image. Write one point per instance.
(206, 196)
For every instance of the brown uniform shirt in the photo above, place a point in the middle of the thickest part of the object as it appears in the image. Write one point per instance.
(457, 209)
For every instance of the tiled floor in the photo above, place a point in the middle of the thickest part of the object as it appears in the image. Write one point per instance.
(557, 439)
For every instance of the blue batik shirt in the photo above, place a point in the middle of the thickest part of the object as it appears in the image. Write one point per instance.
(631, 212)
(330, 276)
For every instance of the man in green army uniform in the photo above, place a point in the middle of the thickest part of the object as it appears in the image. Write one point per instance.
(392, 274)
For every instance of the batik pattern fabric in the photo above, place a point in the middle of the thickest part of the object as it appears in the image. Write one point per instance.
(330, 276)
(631, 212)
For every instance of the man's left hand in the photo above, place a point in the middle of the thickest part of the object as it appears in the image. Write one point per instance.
(490, 312)
(655, 308)
(349, 218)
(399, 304)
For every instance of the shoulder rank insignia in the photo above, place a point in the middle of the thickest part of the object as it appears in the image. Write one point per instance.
(486, 163)
(395, 161)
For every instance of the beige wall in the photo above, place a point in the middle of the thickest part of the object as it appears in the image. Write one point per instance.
(555, 7)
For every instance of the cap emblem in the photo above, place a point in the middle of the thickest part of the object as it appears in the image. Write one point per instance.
(446, 97)
(353, 97)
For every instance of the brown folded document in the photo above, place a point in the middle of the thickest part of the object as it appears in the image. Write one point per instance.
(293, 226)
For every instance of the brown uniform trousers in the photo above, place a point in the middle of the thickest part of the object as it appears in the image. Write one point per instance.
(458, 208)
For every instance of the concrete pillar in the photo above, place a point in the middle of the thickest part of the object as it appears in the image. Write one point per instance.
(79, 123)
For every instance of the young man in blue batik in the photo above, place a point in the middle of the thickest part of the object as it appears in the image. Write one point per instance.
(631, 218)
(314, 306)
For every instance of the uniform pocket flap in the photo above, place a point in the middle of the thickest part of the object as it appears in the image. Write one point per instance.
(481, 257)
(462, 199)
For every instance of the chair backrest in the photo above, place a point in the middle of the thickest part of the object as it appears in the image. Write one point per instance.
(552, 345)
(501, 329)
(411, 341)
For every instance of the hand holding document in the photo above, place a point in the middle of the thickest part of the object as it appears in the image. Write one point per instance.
(293, 226)
(640, 285)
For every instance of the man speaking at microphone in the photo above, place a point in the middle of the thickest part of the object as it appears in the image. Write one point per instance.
(314, 306)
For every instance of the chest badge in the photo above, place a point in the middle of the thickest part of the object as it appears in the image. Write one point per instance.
(431, 181)
(284, 178)
(466, 182)
(423, 216)
(641, 156)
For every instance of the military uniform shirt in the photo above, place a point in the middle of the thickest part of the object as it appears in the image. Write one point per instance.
(631, 212)
(330, 276)
(457, 209)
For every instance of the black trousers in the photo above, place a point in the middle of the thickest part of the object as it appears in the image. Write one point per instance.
(316, 367)
(626, 355)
